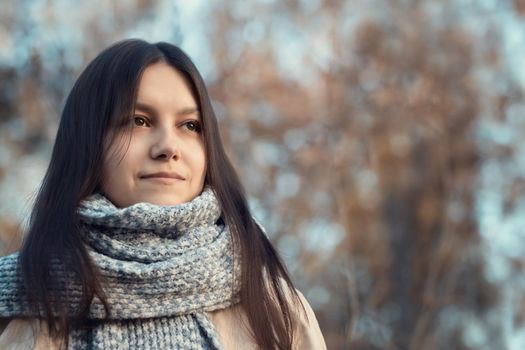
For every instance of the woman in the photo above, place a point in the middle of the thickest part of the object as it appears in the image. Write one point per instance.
(141, 236)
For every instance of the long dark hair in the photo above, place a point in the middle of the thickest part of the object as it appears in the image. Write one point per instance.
(105, 94)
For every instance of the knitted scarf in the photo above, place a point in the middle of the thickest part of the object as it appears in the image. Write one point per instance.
(162, 267)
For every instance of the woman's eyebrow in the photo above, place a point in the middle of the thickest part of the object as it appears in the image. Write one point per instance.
(151, 110)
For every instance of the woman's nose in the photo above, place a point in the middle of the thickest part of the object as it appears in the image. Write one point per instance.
(165, 146)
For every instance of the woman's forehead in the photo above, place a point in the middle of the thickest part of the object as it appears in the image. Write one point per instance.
(161, 85)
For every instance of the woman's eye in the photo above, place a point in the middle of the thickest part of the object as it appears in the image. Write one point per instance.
(193, 126)
(140, 121)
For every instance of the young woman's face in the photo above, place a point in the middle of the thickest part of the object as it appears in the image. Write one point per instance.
(165, 162)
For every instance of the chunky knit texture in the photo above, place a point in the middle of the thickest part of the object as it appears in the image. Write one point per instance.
(163, 268)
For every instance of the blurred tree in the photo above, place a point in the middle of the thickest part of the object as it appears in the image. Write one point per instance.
(382, 140)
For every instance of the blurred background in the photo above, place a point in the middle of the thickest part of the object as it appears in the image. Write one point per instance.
(381, 144)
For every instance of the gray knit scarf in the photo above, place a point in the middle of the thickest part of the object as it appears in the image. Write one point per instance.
(163, 268)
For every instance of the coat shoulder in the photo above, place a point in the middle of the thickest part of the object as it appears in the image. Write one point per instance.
(17, 334)
(232, 325)
(26, 333)
(308, 334)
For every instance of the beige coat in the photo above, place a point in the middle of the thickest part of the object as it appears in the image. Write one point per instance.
(23, 334)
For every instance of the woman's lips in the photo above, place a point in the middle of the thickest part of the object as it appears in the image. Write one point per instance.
(166, 178)
(163, 175)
